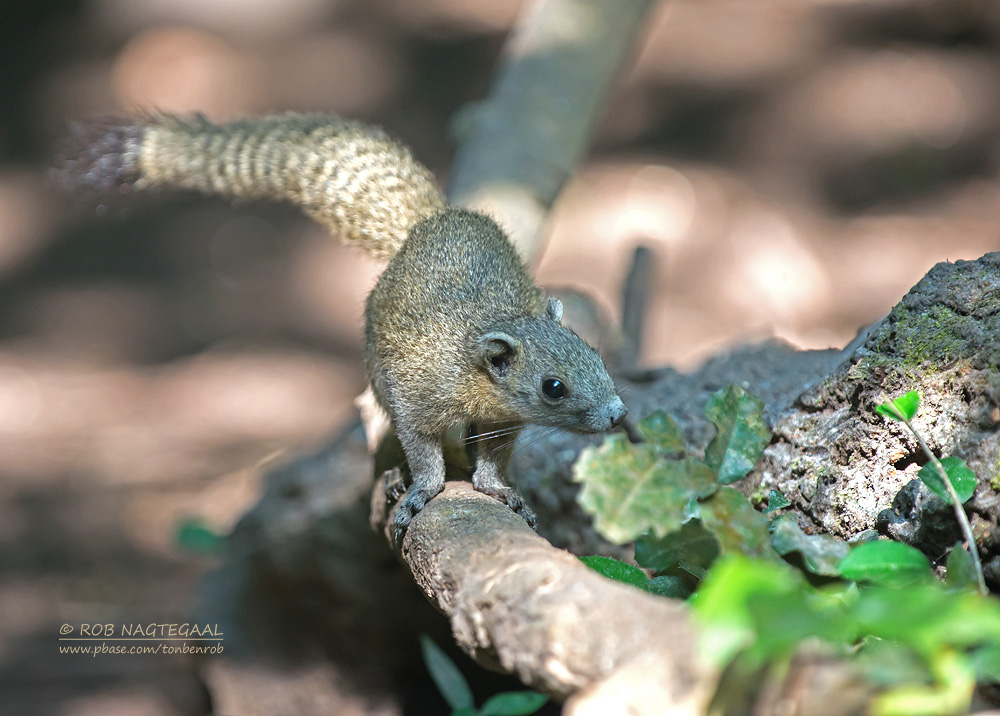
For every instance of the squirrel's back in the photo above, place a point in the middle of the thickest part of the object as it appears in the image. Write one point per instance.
(457, 277)
(351, 177)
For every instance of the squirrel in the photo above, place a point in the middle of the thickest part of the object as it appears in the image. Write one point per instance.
(456, 331)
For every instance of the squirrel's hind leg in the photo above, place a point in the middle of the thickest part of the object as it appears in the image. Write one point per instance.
(426, 462)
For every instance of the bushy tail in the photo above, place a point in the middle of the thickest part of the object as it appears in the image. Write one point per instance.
(352, 178)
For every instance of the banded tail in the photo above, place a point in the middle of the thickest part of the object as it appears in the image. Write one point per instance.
(348, 176)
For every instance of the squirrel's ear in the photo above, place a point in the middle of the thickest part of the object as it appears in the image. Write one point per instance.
(554, 309)
(496, 352)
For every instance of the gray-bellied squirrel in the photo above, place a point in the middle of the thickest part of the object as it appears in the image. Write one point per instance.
(456, 332)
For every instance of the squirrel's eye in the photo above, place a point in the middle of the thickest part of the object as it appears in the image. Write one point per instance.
(554, 388)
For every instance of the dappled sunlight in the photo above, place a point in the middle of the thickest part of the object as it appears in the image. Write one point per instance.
(879, 99)
(164, 425)
(185, 70)
(772, 275)
(659, 204)
(255, 18)
(795, 166)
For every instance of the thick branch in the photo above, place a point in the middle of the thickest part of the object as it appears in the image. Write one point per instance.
(520, 144)
(517, 603)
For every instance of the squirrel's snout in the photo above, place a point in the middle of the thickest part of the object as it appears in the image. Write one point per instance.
(617, 411)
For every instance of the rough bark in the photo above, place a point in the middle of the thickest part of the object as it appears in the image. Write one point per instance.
(847, 469)
(518, 604)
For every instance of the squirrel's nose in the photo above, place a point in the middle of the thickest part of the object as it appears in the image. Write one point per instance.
(618, 411)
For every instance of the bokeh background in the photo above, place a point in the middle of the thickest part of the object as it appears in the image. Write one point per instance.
(795, 166)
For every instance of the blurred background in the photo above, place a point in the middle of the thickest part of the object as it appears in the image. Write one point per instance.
(795, 166)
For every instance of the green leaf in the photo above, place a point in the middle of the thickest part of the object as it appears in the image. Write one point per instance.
(927, 617)
(737, 526)
(617, 570)
(987, 663)
(630, 490)
(670, 586)
(776, 501)
(963, 479)
(783, 621)
(194, 536)
(692, 544)
(721, 604)
(954, 681)
(888, 663)
(513, 703)
(902, 408)
(741, 433)
(662, 432)
(821, 554)
(885, 562)
(960, 569)
(449, 680)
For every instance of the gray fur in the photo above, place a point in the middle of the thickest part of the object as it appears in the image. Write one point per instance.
(457, 333)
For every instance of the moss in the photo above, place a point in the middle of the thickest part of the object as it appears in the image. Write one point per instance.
(914, 339)
(935, 336)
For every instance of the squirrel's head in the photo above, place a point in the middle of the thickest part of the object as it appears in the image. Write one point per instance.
(545, 374)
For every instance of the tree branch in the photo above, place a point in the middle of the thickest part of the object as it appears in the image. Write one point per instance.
(519, 604)
(520, 145)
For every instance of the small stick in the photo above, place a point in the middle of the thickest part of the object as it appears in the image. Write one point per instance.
(963, 519)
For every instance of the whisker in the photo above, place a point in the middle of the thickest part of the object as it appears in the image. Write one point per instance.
(492, 434)
(500, 447)
(542, 434)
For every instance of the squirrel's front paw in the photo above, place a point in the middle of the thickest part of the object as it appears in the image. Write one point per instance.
(415, 500)
(512, 499)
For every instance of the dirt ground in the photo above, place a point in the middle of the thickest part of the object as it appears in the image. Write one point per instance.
(794, 165)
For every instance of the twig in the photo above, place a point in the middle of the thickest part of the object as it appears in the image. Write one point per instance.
(963, 519)
(635, 301)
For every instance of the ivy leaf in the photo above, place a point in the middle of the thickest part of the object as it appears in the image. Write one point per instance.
(449, 680)
(738, 527)
(513, 703)
(670, 586)
(904, 405)
(692, 544)
(741, 433)
(662, 432)
(821, 554)
(617, 570)
(630, 490)
(885, 562)
(776, 501)
(963, 479)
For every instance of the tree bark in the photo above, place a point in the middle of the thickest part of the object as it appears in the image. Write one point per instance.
(518, 604)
